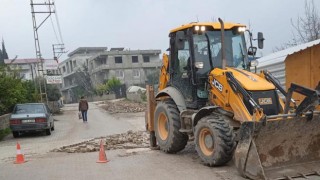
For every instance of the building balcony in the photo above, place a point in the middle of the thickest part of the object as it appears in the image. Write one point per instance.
(125, 66)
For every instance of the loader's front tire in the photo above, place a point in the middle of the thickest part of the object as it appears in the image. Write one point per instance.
(167, 125)
(215, 140)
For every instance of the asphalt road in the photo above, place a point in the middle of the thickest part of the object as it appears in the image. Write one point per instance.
(124, 164)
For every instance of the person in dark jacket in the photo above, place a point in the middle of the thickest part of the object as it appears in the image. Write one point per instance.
(83, 108)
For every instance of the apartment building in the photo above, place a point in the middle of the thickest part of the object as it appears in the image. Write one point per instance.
(67, 68)
(131, 67)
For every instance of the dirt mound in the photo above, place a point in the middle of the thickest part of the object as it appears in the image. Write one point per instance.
(123, 106)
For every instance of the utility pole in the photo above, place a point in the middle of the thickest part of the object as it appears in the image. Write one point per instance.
(42, 80)
(58, 50)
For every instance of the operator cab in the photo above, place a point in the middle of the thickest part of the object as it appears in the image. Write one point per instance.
(195, 49)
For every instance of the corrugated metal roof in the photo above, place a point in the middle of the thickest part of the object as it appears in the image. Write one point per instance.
(280, 56)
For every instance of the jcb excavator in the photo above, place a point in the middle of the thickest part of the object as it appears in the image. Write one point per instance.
(206, 91)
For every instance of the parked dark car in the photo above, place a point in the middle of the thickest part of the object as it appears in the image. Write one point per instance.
(31, 117)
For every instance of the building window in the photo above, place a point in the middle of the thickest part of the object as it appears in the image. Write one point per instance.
(119, 74)
(118, 60)
(135, 59)
(136, 73)
(74, 63)
(71, 66)
(146, 58)
(64, 69)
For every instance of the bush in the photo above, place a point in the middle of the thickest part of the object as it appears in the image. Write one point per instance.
(12, 92)
(4, 133)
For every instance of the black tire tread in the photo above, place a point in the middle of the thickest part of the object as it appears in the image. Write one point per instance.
(178, 140)
(15, 134)
(224, 140)
(48, 131)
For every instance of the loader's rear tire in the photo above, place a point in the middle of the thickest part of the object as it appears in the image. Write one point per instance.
(215, 140)
(167, 125)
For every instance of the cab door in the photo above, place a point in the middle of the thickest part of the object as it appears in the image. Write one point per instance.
(181, 67)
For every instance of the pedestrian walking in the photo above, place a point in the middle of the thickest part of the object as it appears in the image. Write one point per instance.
(83, 108)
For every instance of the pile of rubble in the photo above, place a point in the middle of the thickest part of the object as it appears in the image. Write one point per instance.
(129, 140)
(124, 106)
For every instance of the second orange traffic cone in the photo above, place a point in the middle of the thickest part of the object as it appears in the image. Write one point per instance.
(102, 154)
(20, 156)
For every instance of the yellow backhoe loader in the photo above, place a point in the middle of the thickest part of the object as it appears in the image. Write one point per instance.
(206, 91)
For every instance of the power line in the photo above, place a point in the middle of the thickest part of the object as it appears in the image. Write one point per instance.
(57, 19)
(54, 29)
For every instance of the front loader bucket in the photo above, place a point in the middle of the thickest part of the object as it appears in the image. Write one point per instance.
(279, 149)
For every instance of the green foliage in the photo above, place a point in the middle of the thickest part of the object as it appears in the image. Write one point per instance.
(53, 92)
(83, 80)
(113, 83)
(12, 91)
(4, 51)
(77, 92)
(4, 133)
(153, 77)
(101, 89)
(32, 95)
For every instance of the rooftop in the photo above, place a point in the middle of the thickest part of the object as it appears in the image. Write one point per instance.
(86, 50)
(21, 61)
(280, 56)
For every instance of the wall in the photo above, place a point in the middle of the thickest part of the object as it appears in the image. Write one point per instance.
(102, 98)
(4, 121)
(303, 68)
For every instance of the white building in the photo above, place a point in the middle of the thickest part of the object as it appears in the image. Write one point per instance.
(27, 67)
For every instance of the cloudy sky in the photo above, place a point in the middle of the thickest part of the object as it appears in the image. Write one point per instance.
(138, 24)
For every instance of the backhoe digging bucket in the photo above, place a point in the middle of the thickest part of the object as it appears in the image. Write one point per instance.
(285, 148)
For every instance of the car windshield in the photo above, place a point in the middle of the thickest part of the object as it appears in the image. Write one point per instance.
(236, 54)
(28, 108)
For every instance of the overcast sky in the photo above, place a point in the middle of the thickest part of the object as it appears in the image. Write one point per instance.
(138, 24)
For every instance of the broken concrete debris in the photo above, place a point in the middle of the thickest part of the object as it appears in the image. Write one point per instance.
(128, 140)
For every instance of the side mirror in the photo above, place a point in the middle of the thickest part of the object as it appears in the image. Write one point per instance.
(252, 51)
(260, 40)
(179, 40)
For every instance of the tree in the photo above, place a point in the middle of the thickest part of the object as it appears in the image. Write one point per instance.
(83, 80)
(153, 77)
(11, 92)
(53, 92)
(306, 28)
(4, 51)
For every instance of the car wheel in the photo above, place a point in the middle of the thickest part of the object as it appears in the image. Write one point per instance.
(52, 128)
(48, 131)
(15, 134)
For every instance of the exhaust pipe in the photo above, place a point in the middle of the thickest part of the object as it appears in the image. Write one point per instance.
(223, 52)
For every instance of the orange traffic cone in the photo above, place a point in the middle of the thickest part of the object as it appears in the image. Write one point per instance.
(102, 154)
(19, 157)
